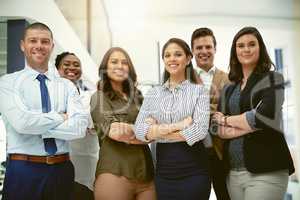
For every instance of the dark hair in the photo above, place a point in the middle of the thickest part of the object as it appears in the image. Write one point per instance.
(38, 26)
(264, 63)
(104, 83)
(61, 56)
(203, 32)
(190, 73)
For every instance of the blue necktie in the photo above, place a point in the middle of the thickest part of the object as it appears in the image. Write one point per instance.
(50, 145)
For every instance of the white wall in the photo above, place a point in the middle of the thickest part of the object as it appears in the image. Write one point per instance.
(280, 28)
(46, 11)
(77, 15)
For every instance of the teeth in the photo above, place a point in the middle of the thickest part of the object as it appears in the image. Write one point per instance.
(71, 74)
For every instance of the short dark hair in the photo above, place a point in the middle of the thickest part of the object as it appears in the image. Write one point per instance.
(264, 63)
(104, 83)
(203, 32)
(61, 56)
(190, 73)
(39, 26)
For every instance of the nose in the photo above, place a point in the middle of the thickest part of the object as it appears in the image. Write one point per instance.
(247, 48)
(72, 67)
(38, 45)
(172, 58)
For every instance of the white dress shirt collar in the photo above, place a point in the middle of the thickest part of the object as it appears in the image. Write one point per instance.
(201, 71)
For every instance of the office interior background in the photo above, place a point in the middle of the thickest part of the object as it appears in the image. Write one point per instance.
(89, 27)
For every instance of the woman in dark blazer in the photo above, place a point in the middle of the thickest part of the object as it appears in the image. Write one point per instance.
(250, 118)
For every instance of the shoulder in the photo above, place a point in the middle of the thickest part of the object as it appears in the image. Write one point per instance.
(221, 75)
(220, 72)
(12, 76)
(12, 80)
(154, 91)
(64, 81)
(99, 96)
(197, 88)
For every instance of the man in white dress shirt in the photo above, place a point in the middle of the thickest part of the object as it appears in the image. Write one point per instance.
(41, 113)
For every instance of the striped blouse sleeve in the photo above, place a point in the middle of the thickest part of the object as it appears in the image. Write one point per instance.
(141, 127)
(199, 128)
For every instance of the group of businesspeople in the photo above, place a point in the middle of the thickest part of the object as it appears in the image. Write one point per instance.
(65, 141)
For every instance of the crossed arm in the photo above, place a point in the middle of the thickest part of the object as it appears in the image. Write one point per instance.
(231, 126)
(167, 131)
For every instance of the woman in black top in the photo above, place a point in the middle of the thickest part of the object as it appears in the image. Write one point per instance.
(250, 118)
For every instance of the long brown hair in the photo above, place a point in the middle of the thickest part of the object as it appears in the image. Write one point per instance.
(264, 63)
(104, 82)
(190, 73)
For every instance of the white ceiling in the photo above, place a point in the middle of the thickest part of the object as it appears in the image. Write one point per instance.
(288, 9)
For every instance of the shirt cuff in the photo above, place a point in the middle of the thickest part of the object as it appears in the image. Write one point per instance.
(141, 131)
(190, 139)
(55, 116)
(250, 117)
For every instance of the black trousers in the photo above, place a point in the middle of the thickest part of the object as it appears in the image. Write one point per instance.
(217, 175)
(81, 192)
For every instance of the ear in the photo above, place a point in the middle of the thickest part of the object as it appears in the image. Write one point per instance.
(22, 45)
(52, 46)
(189, 59)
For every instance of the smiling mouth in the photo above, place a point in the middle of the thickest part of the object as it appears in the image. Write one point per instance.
(71, 74)
(204, 57)
(173, 65)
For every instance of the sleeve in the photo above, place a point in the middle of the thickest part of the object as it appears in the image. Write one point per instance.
(102, 114)
(269, 108)
(76, 124)
(141, 127)
(199, 128)
(222, 99)
(250, 117)
(20, 117)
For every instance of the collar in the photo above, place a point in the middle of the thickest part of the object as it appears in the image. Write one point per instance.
(32, 73)
(114, 95)
(201, 71)
(181, 85)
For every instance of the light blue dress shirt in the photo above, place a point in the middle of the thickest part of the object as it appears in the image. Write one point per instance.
(26, 125)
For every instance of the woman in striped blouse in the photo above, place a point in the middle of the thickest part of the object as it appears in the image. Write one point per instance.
(176, 115)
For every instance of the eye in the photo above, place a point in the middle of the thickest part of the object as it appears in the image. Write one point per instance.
(45, 41)
(252, 44)
(178, 54)
(167, 55)
(114, 61)
(32, 40)
(240, 45)
(66, 64)
(124, 62)
(76, 64)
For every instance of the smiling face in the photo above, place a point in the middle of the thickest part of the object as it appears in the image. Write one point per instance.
(70, 68)
(204, 51)
(37, 46)
(175, 60)
(247, 50)
(117, 67)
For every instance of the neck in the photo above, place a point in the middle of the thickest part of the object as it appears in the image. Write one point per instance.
(40, 69)
(117, 86)
(247, 70)
(206, 68)
(175, 80)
